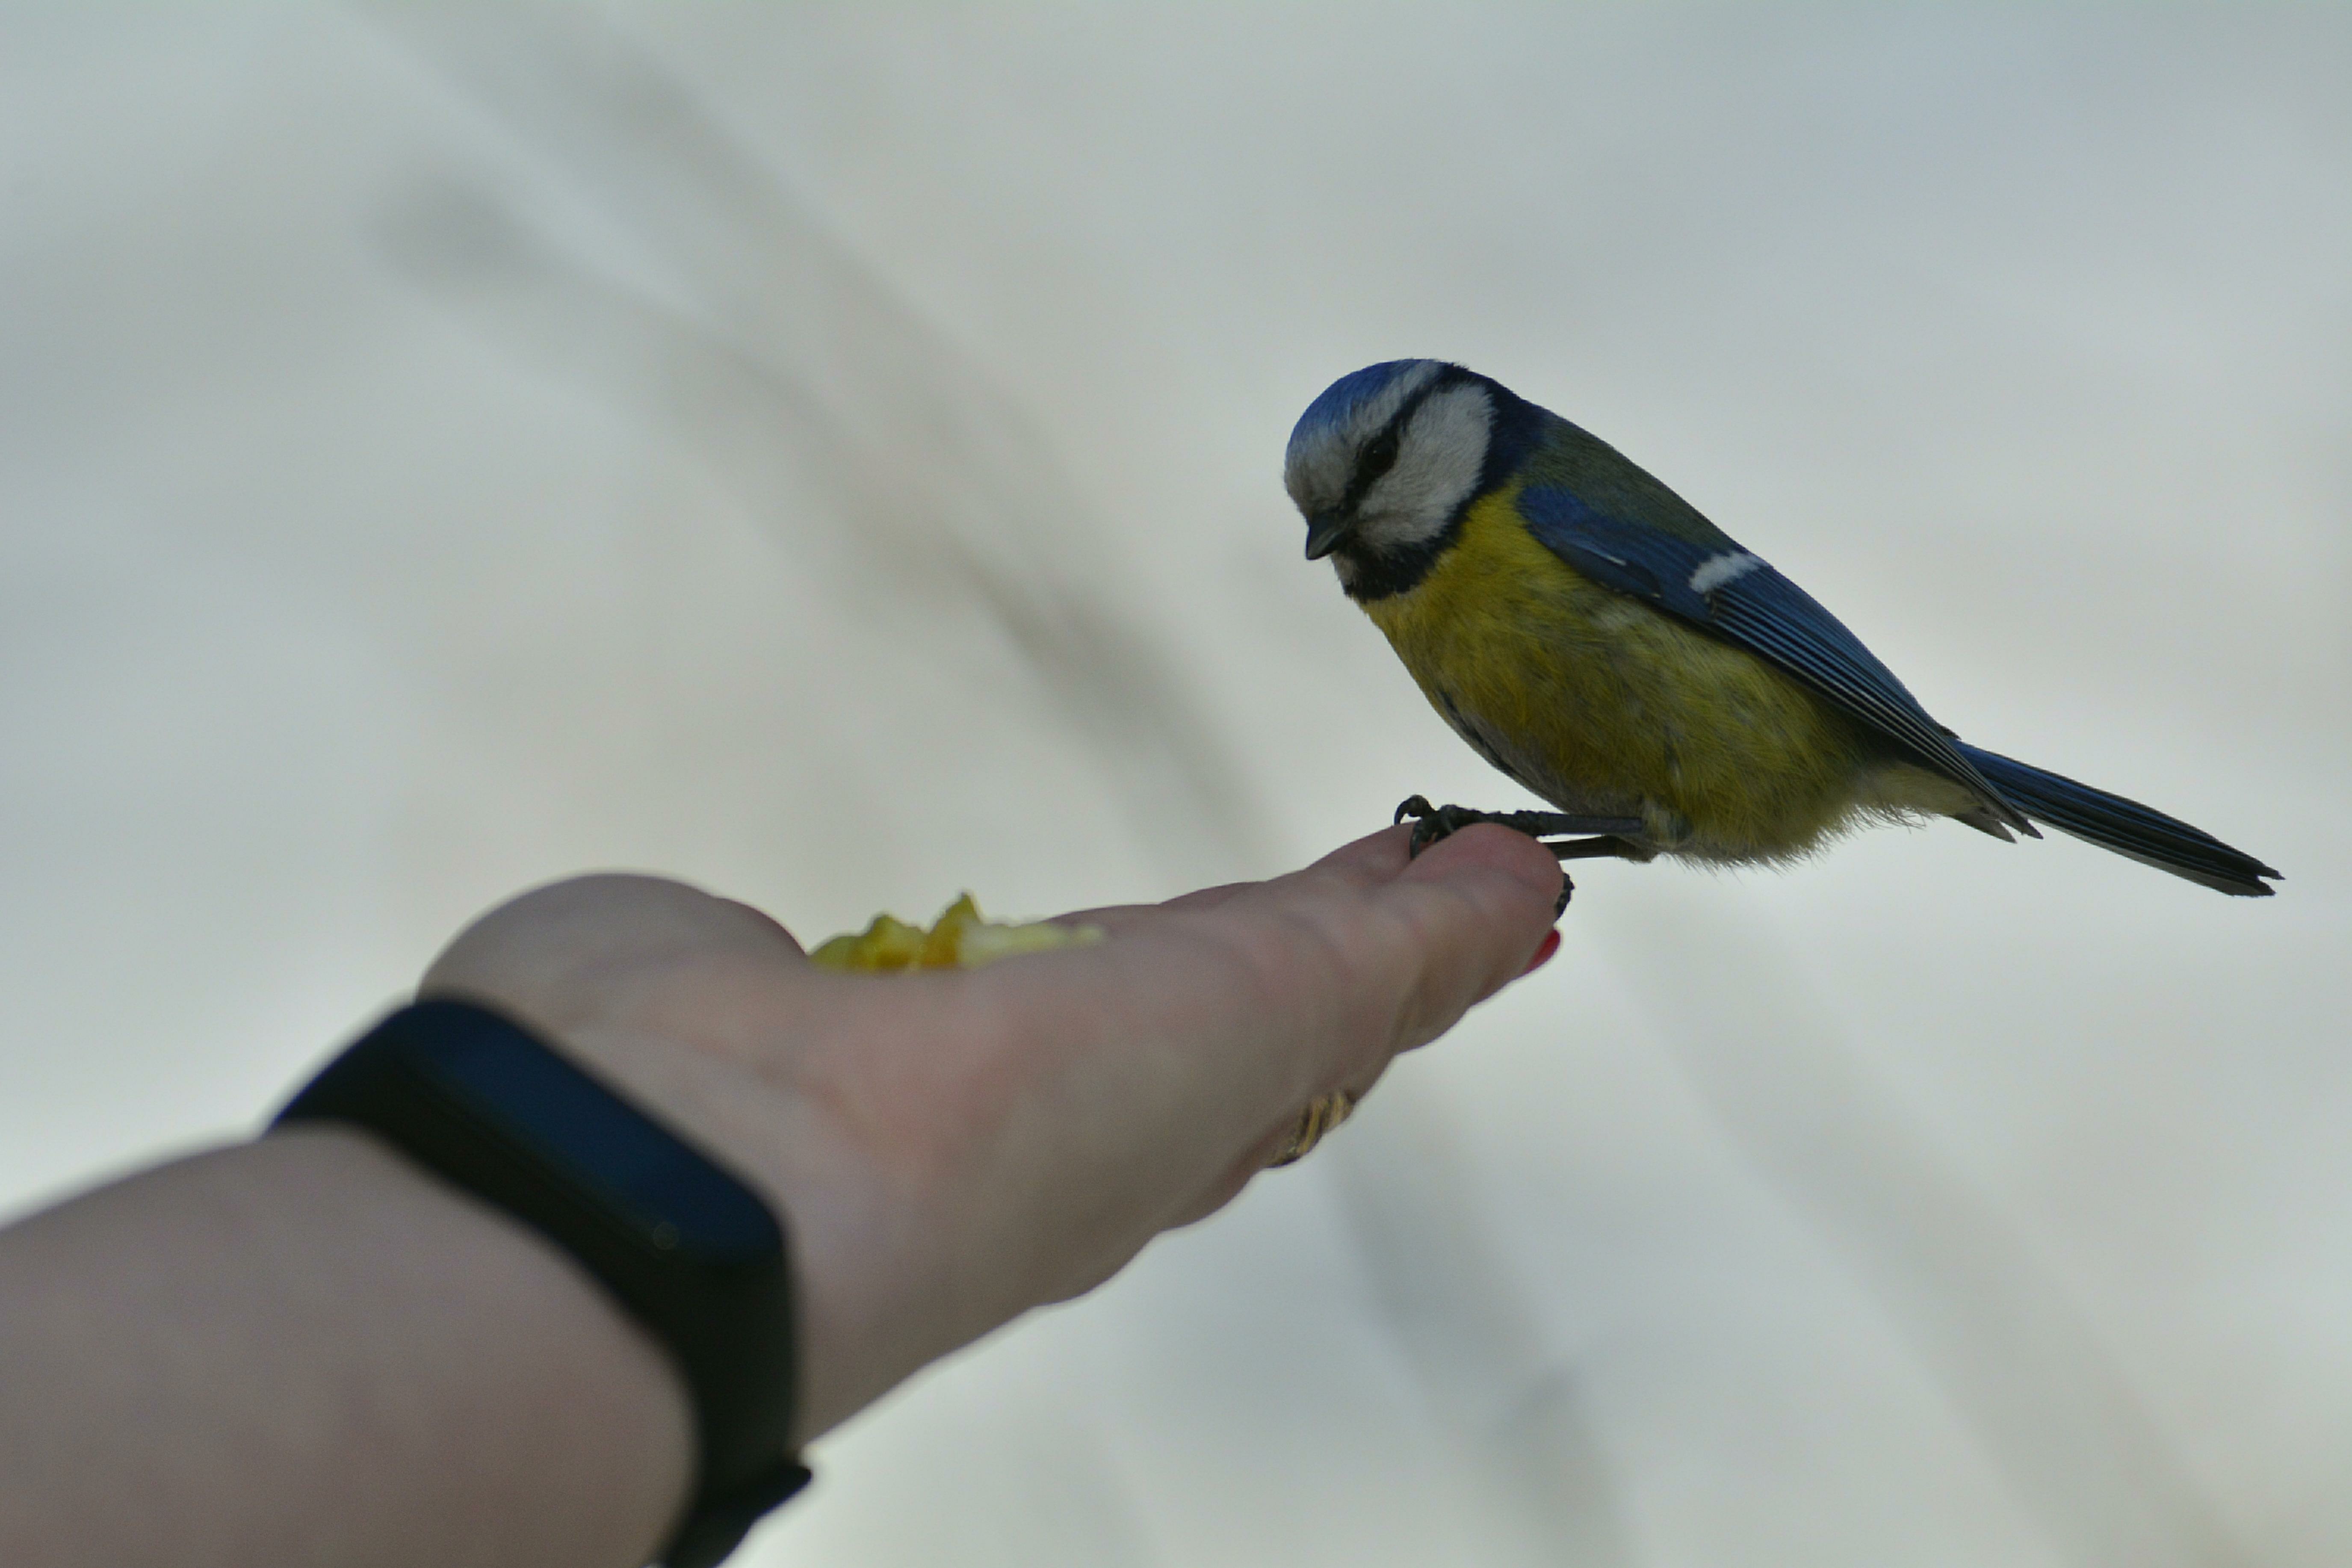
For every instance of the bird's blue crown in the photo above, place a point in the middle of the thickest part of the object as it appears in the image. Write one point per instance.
(1348, 393)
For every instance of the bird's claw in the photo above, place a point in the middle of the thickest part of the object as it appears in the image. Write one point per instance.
(1432, 823)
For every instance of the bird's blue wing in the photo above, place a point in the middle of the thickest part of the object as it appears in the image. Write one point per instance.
(1730, 593)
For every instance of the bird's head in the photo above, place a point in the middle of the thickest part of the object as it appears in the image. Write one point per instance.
(1385, 462)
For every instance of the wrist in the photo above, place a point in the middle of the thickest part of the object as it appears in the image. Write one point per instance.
(679, 1242)
(855, 1197)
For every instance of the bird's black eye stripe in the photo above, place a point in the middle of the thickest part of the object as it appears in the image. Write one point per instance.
(1379, 453)
(1379, 456)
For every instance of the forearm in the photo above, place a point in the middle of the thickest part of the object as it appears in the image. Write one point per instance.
(304, 1349)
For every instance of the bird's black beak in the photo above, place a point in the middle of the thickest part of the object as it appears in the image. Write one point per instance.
(1325, 530)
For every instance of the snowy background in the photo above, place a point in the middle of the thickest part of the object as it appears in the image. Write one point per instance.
(831, 454)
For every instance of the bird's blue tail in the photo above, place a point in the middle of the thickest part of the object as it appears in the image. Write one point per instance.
(2124, 825)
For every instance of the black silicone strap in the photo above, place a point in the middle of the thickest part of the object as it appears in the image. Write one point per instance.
(685, 1246)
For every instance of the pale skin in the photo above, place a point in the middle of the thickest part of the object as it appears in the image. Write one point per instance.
(304, 1349)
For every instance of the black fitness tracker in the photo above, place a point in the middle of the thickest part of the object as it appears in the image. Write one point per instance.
(684, 1246)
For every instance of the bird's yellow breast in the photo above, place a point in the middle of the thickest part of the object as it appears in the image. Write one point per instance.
(1603, 705)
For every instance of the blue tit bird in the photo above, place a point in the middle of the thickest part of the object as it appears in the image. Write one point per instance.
(1594, 638)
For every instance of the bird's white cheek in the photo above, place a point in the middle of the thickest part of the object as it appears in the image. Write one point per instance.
(1385, 525)
(1444, 452)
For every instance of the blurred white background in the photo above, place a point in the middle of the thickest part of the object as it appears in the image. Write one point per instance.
(832, 454)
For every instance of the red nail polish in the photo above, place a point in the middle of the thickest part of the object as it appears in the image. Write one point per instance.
(1543, 954)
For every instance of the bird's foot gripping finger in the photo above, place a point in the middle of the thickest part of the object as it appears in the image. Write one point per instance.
(1585, 837)
(1622, 836)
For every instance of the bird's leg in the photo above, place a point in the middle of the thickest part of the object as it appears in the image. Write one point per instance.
(1432, 823)
(1619, 838)
(1607, 847)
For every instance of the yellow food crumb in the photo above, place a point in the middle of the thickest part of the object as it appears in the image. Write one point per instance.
(959, 938)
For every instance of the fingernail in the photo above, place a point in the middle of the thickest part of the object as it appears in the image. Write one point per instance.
(1543, 954)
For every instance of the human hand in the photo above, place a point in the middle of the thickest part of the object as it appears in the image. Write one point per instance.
(951, 1148)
